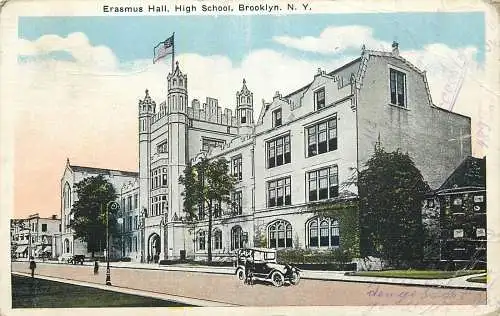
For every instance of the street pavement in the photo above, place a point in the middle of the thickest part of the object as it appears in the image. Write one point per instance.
(458, 282)
(218, 287)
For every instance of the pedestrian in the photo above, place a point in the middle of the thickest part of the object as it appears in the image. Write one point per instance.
(248, 271)
(96, 267)
(32, 266)
(149, 258)
(156, 257)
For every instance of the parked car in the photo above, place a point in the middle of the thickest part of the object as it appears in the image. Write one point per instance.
(264, 267)
(76, 259)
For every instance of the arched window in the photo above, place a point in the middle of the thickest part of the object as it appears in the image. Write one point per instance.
(328, 235)
(236, 238)
(201, 240)
(67, 195)
(181, 82)
(280, 234)
(217, 239)
(174, 82)
(248, 99)
(66, 246)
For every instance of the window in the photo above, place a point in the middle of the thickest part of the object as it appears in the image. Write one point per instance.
(398, 87)
(208, 144)
(280, 234)
(237, 200)
(278, 151)
(135, 243)
(201, 211)
(323, 184)
(44, 227)
(236, 238)
(67, 195)
(217, 239)
(135, 222)
(279, 192)
(236, 167)
(243, 116)
(322, 137)
(162, 147)
(323, 232)
(136, 200)
(217, 209)
(277, 118)
(164, 179)
(129, 223)
(129, 203)
(319, 98)
(201, 240)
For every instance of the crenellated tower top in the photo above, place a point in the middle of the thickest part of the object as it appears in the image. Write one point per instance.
(244, 109)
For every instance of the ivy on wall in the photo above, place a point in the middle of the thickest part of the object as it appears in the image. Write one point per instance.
(347, 214)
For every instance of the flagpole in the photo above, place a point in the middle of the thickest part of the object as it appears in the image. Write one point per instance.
(173, 51)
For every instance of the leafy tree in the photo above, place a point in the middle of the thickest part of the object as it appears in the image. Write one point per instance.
(89, 212)
(207, 185)
(391, 191)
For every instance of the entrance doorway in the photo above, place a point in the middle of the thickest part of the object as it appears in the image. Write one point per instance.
(154, 248)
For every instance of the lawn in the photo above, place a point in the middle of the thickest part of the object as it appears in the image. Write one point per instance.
(39, 293)
(479, 279)
(417, 274)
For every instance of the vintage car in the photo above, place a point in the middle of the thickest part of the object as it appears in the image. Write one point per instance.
(76, 259)
(263, 267)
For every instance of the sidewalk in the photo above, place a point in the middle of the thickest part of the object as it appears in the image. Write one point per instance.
(168, 297)
(458, 282)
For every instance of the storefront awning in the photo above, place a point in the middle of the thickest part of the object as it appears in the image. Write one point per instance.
(47, 249)
(21, 249)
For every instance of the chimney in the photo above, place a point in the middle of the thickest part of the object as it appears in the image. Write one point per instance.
(395, 48)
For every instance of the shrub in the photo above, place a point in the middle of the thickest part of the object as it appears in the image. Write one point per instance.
(304, 256)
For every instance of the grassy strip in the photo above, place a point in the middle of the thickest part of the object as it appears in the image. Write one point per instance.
(40, 293)
(417, 274)
(479, 279)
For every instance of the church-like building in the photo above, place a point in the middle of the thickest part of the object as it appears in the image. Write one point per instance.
(303, 148)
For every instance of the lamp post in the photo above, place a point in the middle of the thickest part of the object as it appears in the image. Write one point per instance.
(113, 206)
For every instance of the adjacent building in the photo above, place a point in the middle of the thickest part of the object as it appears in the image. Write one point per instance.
(69, 245)
(34, 236)
(460, 206)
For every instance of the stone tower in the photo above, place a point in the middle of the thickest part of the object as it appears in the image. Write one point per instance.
(146, 112)
(177, 101)
(244, 110)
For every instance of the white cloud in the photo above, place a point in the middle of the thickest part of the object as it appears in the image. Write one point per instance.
(335, 39)
(76, 44)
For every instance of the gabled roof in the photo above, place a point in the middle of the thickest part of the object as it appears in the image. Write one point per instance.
(470, 173)
(104, 171)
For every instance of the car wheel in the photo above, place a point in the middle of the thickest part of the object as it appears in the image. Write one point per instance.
(241, 274)
(277, 278)
(295, 279)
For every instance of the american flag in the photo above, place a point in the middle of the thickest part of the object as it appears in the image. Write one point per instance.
(163, 49)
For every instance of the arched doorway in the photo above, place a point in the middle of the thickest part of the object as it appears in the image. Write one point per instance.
(66, 246)
(154, 247)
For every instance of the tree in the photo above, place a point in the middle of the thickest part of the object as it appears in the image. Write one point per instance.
(207, 185)
(89, 212)
(391, 191)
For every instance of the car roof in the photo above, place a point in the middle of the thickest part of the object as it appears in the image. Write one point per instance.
(259, 249)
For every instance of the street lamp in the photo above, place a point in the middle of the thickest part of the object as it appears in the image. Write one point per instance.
(113, 206)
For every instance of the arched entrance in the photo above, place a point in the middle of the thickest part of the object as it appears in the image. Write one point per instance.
(154, 247)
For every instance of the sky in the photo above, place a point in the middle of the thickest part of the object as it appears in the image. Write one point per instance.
(82, 77)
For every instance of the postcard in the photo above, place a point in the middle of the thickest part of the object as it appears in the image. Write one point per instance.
(249, 157)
